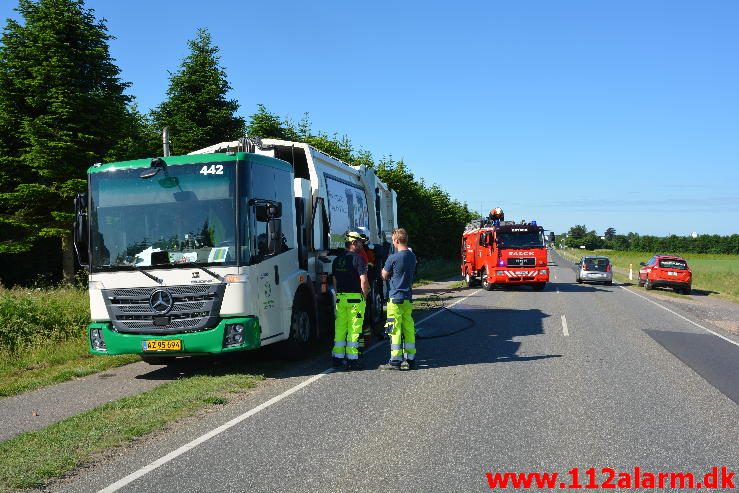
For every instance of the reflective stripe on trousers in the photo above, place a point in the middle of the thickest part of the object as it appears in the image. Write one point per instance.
(402, 330)
(348, 326)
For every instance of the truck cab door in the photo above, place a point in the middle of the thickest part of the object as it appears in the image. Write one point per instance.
(271, 261)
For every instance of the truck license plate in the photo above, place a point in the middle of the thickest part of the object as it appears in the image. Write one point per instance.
(167, 345)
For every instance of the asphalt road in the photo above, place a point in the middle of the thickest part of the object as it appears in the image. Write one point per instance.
(573, 376)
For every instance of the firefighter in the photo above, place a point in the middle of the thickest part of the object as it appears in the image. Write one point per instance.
(399, 270)
(367, 253)
(352, 287)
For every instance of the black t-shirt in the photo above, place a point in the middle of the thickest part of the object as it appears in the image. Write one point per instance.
(347, 268)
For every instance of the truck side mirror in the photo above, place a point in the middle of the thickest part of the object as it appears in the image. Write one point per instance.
(321, 226)
(80, 229)
(642, 263)
(274, 236)
(275, 210)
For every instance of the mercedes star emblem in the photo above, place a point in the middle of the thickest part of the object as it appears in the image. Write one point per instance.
(161, 301)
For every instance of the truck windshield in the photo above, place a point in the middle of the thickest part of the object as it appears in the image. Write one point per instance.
(182, 215)
(521, 240)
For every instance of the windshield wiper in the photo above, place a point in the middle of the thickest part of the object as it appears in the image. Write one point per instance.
(150, 276)
(210, 272)
(198, 266)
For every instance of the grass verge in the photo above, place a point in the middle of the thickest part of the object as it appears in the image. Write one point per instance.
(48, 365)
(433, 270)
(43, 339)
(31, 459)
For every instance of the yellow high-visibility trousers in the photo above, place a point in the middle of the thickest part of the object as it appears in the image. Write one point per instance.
(402, 331)
(348, 327)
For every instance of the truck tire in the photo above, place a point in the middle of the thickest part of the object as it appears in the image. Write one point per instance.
(469, 281)
(647, 284)
(302, 333)
(377, 315)
(487, 285)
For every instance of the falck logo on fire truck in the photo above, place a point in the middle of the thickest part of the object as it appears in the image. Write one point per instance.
(519, 254)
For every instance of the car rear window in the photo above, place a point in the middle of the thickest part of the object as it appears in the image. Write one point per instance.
(671, 263)
(596, 264)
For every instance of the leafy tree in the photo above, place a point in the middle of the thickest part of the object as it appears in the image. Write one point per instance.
(62, 108)
(610, 233)
(197, 111)
(578, 231)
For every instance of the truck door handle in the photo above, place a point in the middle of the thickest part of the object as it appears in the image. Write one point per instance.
(277, 275)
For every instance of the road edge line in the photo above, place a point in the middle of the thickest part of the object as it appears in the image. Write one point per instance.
(207, 436)
(680, 316)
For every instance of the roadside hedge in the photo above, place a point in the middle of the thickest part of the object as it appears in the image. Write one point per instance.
(33, 317)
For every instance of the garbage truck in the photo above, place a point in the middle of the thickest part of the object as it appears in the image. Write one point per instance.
(225, 249)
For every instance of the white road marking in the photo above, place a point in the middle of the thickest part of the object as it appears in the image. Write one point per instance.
(565, 332)
(217, 431)
(678, 315)
(203, 438)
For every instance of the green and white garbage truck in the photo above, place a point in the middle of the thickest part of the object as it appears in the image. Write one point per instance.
(225, 249)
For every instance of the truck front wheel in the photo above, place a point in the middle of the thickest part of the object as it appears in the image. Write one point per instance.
(301, 331)
(485, 283)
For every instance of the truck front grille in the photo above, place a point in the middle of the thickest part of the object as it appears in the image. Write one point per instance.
(185, 308)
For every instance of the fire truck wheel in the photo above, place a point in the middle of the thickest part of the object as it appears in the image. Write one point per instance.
(469, 281)
(485, 283)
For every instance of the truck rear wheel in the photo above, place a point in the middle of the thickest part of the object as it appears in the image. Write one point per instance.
(469, 281)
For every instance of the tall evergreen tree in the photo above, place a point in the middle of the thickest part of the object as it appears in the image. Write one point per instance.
(62, 108)
(197, 111)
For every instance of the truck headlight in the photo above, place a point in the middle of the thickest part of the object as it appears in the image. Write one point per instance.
(97, 340)
(543, 272)
(234, 335)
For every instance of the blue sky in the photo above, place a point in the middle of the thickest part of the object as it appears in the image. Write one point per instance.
(609, 114)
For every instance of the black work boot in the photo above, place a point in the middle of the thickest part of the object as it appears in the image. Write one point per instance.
(391, 365)
(412, 365)
(354, 365)
(337, 363)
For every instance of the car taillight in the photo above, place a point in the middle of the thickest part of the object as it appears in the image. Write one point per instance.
(608, 268)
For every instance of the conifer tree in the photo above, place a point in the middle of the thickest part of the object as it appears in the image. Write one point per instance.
(197, 112)
(62, 108)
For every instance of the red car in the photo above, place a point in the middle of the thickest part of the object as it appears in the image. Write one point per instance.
(667, 271)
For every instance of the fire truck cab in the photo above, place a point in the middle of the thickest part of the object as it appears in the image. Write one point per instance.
(504, 254)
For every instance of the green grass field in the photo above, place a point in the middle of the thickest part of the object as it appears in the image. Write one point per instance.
(713, 274)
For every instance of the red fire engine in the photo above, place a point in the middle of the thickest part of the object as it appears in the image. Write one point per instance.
(502, 253)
